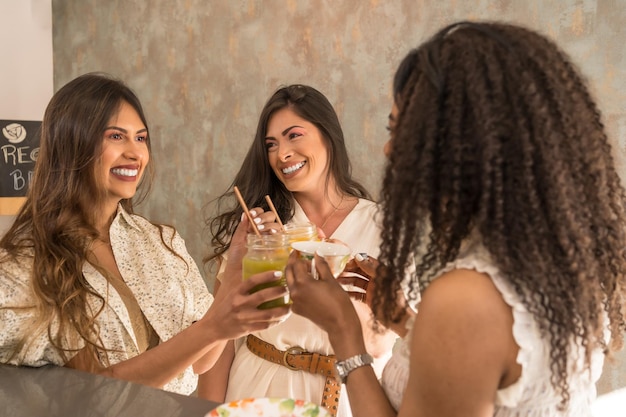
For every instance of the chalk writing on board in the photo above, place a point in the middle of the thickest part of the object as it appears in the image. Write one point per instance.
(19, 148)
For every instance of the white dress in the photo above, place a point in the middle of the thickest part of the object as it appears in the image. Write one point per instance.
(531, 395)
(251, 376)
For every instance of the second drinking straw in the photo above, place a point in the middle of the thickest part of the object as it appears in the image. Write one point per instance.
(269, 201)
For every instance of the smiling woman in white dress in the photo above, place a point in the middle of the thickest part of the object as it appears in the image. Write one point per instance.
(499, 167)
(299, 159)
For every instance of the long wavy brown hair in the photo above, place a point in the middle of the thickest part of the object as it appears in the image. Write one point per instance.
(497, 133)
(256, 179)
(55, 227)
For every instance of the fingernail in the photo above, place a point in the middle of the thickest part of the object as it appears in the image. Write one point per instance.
(261, 226)
(278, 274)
(243, 216)
(362, 256)
(253, 213)
(257, 220)
(273, 231)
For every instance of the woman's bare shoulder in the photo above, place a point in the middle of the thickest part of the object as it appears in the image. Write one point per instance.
(462, 344)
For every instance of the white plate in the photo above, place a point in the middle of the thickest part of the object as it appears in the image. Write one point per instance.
(268, 407)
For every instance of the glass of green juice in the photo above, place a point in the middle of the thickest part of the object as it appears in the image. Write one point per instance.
(267, 253)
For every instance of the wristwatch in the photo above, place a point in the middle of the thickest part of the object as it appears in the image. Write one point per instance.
(345, 367)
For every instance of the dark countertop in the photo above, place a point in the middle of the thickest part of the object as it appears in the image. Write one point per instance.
(52, 391)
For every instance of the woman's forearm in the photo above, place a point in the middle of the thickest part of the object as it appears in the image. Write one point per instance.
(378, 342)
(210, 358)
(159, 365)
(367, 397)
(212, 384)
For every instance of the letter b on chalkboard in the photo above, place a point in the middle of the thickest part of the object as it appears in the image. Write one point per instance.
(19, 147)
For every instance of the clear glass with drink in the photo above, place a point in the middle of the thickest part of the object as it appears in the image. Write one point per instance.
(336, 254)
(267, 253)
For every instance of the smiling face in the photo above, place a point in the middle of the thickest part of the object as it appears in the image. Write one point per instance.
(296, 151)
(125, 155)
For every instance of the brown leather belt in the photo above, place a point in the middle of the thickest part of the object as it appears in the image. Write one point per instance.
(298, 359)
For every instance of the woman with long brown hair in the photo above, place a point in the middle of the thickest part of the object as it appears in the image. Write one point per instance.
(500, 176)
(299, 158)
(88, 284)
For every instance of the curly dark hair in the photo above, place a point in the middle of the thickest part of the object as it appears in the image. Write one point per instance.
(256, 179)
(497, 133)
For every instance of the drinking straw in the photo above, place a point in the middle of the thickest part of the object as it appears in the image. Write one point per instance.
(269, 201)
(245, 210)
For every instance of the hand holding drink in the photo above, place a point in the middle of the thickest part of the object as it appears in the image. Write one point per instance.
(269, 252)
(266, 253)
(235, 306)
(337, 256)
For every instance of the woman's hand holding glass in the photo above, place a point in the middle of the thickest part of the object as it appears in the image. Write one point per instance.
(321, 300)
(265, 222)
(234, 311)
(353, 279)
(367, 265)
(356, 279)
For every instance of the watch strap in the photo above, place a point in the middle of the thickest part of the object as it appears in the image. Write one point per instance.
(346, 366)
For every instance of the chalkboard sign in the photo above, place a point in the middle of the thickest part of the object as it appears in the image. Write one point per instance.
(19, 147)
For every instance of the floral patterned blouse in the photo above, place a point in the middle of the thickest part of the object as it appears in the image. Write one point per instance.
(169, 290)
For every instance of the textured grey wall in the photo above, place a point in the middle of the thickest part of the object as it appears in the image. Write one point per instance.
(203, 70)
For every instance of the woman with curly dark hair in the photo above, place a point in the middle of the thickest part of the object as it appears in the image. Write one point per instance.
(501, 178)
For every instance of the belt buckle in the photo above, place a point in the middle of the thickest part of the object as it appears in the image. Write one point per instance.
(294, 350)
